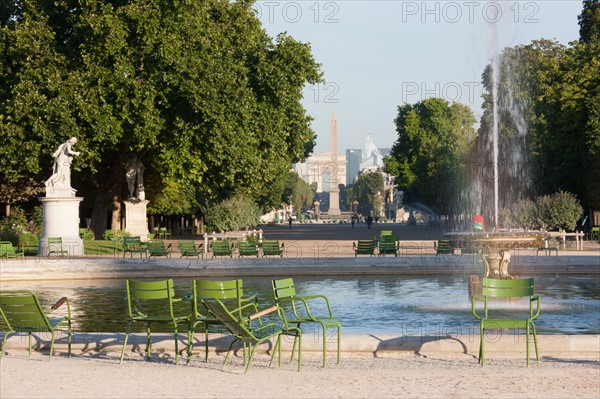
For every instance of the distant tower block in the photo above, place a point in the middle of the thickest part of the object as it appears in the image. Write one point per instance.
(334, 190)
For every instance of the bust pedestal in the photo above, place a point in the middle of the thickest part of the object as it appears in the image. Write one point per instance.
(61, 219)
(136, 222)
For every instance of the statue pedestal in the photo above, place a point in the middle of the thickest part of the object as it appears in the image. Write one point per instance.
(61, 219)
(136, 222)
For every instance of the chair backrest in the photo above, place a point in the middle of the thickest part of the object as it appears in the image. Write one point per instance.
(21, 311)
(386, 233)
(248, 246)
(6, 248)
(271, 247)
(156, 246)
(500, 288)
(142, 294)
(283, 288)
(221, 245)
(366, 245)
(224, 290)
(229, 319)
(55, 240)
(131, 242)
(188, 247)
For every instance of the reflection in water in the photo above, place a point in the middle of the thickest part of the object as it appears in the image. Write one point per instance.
(409, 305)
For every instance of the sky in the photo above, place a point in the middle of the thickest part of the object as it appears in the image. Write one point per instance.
(377, 55)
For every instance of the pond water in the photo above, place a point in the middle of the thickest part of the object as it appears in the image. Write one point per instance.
(409, 305)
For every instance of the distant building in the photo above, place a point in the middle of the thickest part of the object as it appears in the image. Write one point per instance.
(353, 159)
(319, 167)
(372, 158)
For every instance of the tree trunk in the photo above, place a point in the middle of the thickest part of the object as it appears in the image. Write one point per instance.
(111, 181)
(116, 213)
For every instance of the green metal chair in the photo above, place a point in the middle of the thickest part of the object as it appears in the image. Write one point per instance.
(152, 302)
(55, 246)
(364, 247)
(497, 288)
(247, 248)
(250, 330)
(133, 245)
(294, 309)
(272, 248)
(228, 291)
(388, 244)
(221, 248)
(7, 250)
(21, 312)
(188, 248)
(157, 248)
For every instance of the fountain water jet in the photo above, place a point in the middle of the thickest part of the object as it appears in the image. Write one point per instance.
(495, 246)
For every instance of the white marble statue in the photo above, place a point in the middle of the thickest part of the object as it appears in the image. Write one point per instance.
(134, 174)
(59, 184)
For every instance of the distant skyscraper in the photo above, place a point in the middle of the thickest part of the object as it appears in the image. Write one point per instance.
(353, 159)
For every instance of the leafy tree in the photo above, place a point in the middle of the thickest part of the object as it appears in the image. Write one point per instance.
(366, 190)
(196, 89)
(565, 211)
(298, 192)
(429, 157)
(549, 107)
(235, 213)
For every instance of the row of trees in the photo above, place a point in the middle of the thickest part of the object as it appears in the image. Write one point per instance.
(549, 131)
(196, 89)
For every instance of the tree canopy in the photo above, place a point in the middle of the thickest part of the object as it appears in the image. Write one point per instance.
(196, 89)
(430, 156)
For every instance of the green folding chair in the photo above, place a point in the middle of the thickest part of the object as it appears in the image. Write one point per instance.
(230, 292)
(21, 312)
(251, 330)
(151, 302)
(497, 288)
(294, 309)
(188, 248)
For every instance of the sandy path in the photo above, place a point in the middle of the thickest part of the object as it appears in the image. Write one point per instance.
(356, 377)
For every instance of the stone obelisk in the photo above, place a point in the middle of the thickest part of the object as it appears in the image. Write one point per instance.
(334, 190)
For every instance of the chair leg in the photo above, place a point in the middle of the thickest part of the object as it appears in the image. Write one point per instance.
(29, 340)
(176, 346)
(190, 343)
(148, 343)
(229, 352)
(527, 343)
(251, 356)
(51, 345)
(206, 344)
(125, 341)
(339, 343)
(69, 337)
(481, 341)
(324, 345)
(4, 343)
(277, 349)
(535, 343)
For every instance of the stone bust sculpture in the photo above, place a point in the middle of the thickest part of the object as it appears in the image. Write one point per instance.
(59, 184)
